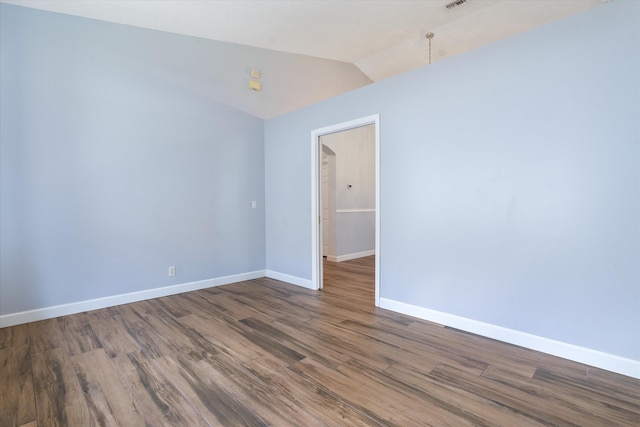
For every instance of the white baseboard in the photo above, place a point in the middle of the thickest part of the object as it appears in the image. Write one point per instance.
(305, 283)
(347, 257)
(97, 303)
(584, 355)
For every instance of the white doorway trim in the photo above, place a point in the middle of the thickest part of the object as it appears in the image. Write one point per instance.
(316, 205)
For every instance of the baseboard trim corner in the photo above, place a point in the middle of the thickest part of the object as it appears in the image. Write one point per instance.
(18, 318)
(572, 352)
(305, 283)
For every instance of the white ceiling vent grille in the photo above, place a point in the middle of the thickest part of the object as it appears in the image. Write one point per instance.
(456, 4)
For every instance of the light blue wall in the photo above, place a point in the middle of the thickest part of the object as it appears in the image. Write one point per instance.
(510, 182)
(111, 171)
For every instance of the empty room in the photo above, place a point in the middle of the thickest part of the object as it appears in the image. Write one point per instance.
(299, 213)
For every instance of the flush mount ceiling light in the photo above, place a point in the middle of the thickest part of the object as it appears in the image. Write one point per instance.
(254, 79)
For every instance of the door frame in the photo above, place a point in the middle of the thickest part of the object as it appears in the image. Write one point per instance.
(316, 201)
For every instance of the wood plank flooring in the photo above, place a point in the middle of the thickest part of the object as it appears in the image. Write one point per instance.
(263, 352)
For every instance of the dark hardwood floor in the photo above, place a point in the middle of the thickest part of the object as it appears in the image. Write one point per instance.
(263, 352)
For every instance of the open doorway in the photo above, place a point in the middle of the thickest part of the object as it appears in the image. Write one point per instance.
(353, 216)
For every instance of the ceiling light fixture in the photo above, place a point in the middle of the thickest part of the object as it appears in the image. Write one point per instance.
(254, 80)
(429, 36)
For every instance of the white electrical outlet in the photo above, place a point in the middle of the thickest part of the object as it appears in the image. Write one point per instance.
(172, 270)
(253, 204)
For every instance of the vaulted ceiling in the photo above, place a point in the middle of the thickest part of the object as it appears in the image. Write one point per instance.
(378, 38)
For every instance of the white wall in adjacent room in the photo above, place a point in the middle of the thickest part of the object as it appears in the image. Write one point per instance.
(355, 190)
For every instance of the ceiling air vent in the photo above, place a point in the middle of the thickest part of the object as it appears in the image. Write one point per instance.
(456, 4)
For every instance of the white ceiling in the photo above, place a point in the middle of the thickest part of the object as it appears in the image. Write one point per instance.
(381, 38)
